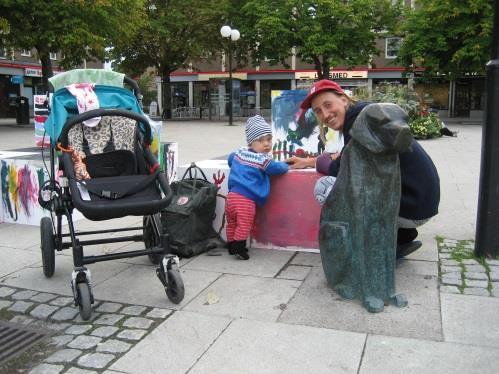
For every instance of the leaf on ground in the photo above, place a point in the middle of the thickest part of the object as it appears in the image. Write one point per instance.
(211, 298)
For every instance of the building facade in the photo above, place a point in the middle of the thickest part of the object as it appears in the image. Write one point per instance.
(21, 75)
(208, 86)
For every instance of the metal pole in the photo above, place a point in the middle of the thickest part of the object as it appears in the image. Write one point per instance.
(487, 228)
(230, 82)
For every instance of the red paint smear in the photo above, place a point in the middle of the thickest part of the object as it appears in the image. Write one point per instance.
(27, 189)
(291, 215)
(41, 143)
(41, 119)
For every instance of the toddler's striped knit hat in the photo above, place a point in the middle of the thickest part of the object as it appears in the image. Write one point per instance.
(256, 127)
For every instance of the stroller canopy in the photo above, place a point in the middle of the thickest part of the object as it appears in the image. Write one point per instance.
(108, 88)
(96, 76)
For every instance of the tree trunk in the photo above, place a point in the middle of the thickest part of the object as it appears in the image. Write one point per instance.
(166, 94)
(47, 71)
(318, 68)
(325, 68)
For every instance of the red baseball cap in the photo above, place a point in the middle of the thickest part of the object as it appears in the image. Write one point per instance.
(319, 87)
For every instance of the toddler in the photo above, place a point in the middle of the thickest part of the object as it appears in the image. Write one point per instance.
(249, 183)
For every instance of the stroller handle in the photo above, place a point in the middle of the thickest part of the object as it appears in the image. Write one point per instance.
(135, 88)
(63, 137)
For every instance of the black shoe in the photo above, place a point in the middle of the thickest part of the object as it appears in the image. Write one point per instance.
(230, 247)
(239, 248)
(445, 131)
(408, 248)
(405, 236)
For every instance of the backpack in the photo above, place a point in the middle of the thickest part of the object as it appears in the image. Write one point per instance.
(189, 218)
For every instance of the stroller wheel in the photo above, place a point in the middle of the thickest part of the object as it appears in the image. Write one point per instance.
(150, 239)
(84, 300)
(47, 245)
(175, 289)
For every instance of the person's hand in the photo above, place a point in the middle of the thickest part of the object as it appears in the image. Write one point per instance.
(335, 156)
(323, 162)
(295, 162)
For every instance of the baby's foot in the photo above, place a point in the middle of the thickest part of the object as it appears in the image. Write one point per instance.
(243, 255)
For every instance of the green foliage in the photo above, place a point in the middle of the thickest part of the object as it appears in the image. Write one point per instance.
(79, 29)
(174, 33)
(397, 94)
(426, 126)
(325, 33)
(4, 25)
(448, 37)
(147, 88)
(423, 125)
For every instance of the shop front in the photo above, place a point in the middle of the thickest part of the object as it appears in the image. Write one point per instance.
(16, 82)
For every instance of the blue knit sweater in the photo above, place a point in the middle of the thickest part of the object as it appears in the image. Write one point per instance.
(249, 174)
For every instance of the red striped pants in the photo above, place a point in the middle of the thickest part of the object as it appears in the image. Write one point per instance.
(240, 214)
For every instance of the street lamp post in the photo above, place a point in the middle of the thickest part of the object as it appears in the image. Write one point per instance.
(233, 34)
(487, 233)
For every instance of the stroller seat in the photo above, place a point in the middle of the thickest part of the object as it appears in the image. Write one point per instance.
(120, 130)
(120, 183)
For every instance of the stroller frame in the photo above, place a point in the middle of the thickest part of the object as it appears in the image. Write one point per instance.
(56, 197)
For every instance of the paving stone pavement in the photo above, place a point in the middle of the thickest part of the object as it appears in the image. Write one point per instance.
(460, 273)
(80, 345)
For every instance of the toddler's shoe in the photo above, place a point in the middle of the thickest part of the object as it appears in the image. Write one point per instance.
(239, 248)
(230, 247)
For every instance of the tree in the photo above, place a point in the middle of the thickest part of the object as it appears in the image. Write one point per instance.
(147, 87)
(326, 33)
(79, 29)
(175, 33)
(450, 37)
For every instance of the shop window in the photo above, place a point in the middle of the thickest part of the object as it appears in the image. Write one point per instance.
(201, 93)
(266, 88)
(180, 94)
(392, 47)
(26, 53)
(53, 56)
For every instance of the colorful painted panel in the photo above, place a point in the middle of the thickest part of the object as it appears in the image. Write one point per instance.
(21, 175)
(169, 160)
(20, 181)
(290, 218)
(156, 138)
(41, 114)
(295, 133)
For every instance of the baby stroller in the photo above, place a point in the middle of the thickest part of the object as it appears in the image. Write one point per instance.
(105, 171)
